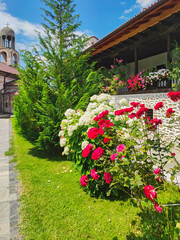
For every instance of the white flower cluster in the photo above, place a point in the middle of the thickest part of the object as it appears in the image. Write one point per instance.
(69, 112)
(123, 102)
(84, 144)
(101, 98)
(159, 74)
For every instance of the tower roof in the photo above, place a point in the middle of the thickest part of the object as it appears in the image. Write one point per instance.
(7, 31)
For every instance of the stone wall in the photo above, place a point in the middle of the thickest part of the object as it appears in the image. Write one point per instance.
(150, 100)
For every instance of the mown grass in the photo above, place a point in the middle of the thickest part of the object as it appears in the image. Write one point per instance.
(54, 206)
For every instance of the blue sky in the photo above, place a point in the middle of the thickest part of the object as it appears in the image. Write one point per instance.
(98, 17)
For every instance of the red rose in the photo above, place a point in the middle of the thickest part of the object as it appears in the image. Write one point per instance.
(100, 131)
(84, 180)
(157, 171)
(156, 121)
(97, 153)
(119, 112)
(102, 123)
(94, 174)
(106, 140)
(141, 111)
(87, 150)
(92, 133)
(134, 104)
(169, 112)
(174, 96)
(132, 115)
(158, 105)
(157, 207)
(107, 177)
(128, 110)
(173, 154)
(150, 192)
(103, 114)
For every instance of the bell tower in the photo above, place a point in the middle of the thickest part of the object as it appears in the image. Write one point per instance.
(8, 54)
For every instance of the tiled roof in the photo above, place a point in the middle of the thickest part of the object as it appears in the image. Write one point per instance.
(7, 69)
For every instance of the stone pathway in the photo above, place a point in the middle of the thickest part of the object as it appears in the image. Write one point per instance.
(8, 187)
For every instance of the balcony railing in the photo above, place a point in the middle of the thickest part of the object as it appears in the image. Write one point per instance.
(157, 86)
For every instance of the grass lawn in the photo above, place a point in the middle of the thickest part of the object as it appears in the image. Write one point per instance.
(54, 206)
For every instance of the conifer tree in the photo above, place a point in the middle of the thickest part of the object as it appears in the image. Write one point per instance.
(68, 80)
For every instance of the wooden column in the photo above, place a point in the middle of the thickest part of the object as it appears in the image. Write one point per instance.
(169, 42)
(135, 60)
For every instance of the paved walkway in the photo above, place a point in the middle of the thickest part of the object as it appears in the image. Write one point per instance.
(8, 187)
(4, 180)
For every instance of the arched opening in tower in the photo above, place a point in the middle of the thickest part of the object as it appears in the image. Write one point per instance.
(3, 57)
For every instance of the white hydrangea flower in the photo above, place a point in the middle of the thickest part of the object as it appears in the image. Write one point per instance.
(84, 144)
(64, 122)
(123, 102)
(103, 97)
(93, 98)
(117, 118)
(71, 129)
(91, 106)
(69, 112)
(63, 142)
(112, 103)
(126, 136)
(130, 122)
(66, 150)
(61, 133)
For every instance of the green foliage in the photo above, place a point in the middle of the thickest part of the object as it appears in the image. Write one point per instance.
(174, 73)
(56, 77)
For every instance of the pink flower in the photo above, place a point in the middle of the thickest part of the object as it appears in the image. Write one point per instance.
(113, 156)
(87, 150)
(158, 105)
(84, 180)
(112, 66)
(169, 112)
(150, 192)
(94, 174)
(157, 171)
(106, 88)
(157, 207)
(107, 177)
(116, 79)
(121, 60)
(120, 148)
(106, 140)
(97, 153)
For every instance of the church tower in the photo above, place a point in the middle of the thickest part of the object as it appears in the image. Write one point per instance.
(8, 54)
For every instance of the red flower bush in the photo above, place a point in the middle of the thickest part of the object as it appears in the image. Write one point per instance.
(97, 153)
(169, 112)
(84, 180)
(107, 177)
(150, 192)
(157, 171)
(134, 104)
(141, 111)
(106, 140)
(158, 105)
(157, 207)
(87, 150)
(94, 174)
(174, 96)
(113, 156)
(93, 133)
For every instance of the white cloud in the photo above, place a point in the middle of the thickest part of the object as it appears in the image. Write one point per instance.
(145, 3)
(122, 3)
(19, 26)
(123, 18)
(128, 10)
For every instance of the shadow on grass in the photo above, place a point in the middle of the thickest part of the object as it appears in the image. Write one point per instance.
(56, 156)
(157, 226)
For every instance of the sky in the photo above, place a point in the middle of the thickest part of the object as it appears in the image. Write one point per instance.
(98, 17)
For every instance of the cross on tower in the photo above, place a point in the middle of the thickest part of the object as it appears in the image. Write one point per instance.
(7, 24)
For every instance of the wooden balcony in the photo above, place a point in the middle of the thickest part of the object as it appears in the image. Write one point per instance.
(157, 86)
